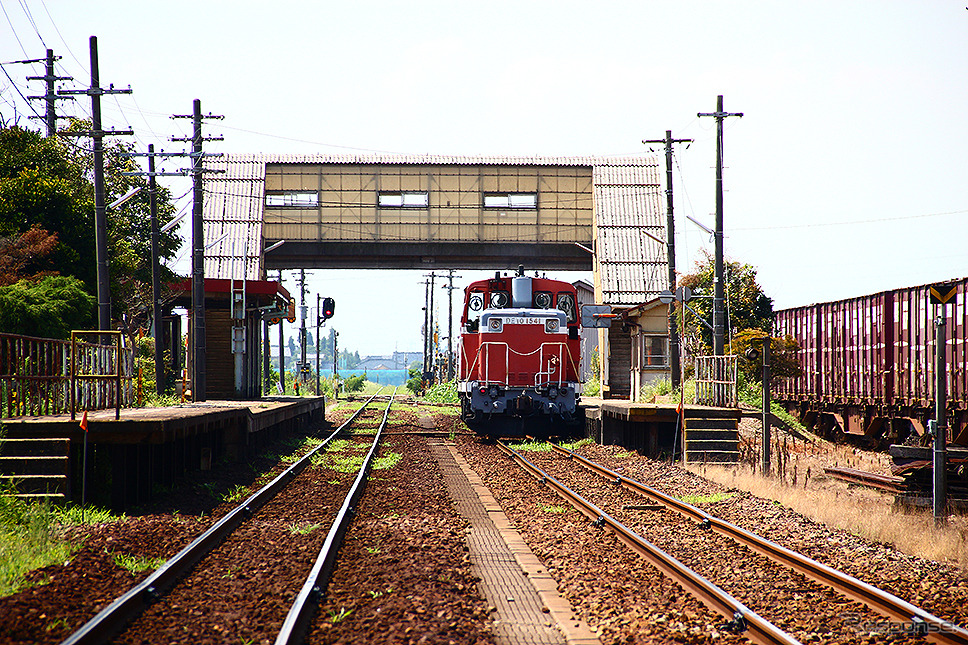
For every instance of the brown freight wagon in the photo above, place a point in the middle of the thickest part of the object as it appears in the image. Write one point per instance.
(868, 364)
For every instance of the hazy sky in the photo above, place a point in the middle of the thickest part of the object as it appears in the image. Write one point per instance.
(846, 176)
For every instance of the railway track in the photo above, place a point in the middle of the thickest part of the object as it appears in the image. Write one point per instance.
(695, 547)
(171, 601)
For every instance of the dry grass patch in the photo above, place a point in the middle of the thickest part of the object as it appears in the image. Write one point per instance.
(864, 513)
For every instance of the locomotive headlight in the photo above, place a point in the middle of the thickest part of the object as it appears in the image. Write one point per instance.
(553, 391)
(551, 325)
(495, 324)
(493, 391)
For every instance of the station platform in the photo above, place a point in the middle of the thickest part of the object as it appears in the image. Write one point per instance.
(143, 450)
(653, 429)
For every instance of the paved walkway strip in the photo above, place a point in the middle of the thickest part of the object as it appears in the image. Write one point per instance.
(528, 606)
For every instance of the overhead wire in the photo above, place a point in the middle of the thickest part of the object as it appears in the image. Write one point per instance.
(33, 24)
(14, 30)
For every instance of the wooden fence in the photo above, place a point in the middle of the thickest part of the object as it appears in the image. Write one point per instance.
(716, 381)
(35, 375)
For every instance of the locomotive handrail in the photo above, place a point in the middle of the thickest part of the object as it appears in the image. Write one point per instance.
(562, 347)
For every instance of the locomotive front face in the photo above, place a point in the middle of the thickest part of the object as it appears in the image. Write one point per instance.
(519, 351)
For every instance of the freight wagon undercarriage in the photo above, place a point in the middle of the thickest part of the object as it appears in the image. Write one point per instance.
(876, 424)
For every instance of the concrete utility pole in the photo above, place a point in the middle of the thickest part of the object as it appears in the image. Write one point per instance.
(719, 298)
(156, 274)
(50, 114)
(100, 212)
(198, 248)
(671, 253)
(156, 309)
(282, 349)
(318, 309)
(302, 328)
(450, 322)
(431, 348)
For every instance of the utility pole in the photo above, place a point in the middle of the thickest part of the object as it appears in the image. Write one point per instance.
(50, 115)
(156, 309)
(198, 247)
(156, 274)
(302, 327)
(719, 298)
(318, 298)
(430, 325)
(426, 327)
(100, 213)
(282, 350)
(674, 365)
(450, 322)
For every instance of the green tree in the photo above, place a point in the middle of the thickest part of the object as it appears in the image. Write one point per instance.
(48, 308)
(44, 183)
(747, 307)
(783, 354)
(40, 186)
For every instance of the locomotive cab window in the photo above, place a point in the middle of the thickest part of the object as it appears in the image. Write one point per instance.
(475, 305)
(566, 303)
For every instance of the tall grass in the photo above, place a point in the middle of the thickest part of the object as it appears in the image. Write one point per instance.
(30, 539)
(870, 518)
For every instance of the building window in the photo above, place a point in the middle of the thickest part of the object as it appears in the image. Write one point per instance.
(293, 199)
(403, 199)
(511, 200)
(655, 351)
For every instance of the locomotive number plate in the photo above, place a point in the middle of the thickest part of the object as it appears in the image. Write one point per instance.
(523, 321)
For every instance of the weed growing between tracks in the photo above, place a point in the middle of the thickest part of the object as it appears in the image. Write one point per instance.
(137, 563)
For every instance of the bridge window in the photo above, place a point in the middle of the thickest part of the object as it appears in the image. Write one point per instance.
(405, 199)
(293, 198)
(511, 200)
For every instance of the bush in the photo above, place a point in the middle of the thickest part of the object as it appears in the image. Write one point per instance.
(658, 387)
(445, 392)
(415, 382)
(354, 383)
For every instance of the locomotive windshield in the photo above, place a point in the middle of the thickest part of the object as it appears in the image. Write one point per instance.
(566, 303)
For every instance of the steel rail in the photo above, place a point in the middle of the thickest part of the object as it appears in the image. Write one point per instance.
(314, 589)
(112, 619)
(883, 602)
(740, 617)
(886, 483)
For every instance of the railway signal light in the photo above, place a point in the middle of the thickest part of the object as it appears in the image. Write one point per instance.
(291, 312)
(329, 307)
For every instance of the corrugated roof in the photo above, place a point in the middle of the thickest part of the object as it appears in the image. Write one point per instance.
(633, 267)
(232, 217)
(627, 195)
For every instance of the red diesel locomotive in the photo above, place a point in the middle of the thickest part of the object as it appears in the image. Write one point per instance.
(519, 356)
